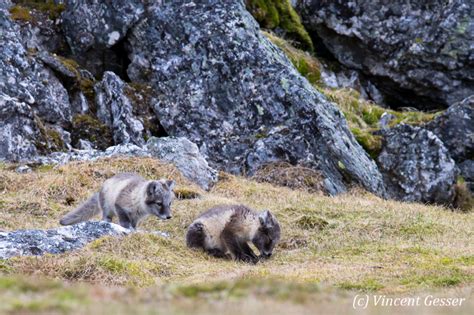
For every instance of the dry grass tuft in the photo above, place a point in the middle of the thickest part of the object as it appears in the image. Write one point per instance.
(291, 176)
(463, 199)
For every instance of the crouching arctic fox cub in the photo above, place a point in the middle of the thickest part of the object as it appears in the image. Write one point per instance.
(224, 231)
(130, 197)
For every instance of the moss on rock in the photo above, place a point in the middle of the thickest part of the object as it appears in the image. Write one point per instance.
(49, 7)
(305, 63)
(20, 13)
(49, 139)
(84, 84)
(87, 127)
(279, 14)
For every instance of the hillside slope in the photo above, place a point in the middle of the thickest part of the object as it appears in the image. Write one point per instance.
(332, 248)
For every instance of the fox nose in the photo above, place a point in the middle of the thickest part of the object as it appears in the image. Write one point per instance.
(267, 255)
(168, 217)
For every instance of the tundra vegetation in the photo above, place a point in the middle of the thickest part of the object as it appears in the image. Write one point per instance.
(331, 249)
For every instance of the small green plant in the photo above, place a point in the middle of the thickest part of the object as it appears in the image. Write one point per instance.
(272, 14)
(49, 7)
(19, 13)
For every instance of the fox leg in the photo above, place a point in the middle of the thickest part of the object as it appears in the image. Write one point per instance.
(216, 252)
(107, 213)
(249, 252)
(240, 250)
(124, 218)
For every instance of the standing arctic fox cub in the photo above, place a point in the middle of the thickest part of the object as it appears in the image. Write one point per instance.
(224, 231)
(130, 197)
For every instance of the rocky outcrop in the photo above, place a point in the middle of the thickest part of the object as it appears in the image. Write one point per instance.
(231, 91)
(34, 103)
(98, 24)
(455, 127)
(55, 241)
(417, 166)
(186, 157)
(89, 154)
(115, 110)
(18, 130)
(417, 54)
(28, 81)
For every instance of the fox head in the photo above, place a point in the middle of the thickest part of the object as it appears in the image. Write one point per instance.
(159, 195)
(267, 235)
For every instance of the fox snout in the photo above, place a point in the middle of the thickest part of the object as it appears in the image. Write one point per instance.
(266, 255)
(164, 216)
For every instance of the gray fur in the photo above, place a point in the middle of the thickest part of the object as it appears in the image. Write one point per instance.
(84, 212)
(128, 196)
(224, 232)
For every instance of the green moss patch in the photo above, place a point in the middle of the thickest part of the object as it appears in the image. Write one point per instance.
(49, 139)
(20, 13)
(49, 7)
(273, 14)
(88, 127)
(304, 62)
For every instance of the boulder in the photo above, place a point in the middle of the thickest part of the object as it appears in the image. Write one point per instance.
(417, 54)
(186, 157)
(88, 24)
(455, 127)
(18, 130)
(89, 154)
(467, 172)
(115, 110)
(226, 87)
(55, 241)
(417, 166)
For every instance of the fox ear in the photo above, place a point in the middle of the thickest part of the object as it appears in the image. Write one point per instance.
(170, 183)
(152, 188)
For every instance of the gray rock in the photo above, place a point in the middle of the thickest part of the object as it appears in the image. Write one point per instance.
(225, 87)
(385, 120)
(79, 103)
(61, 158)
(186, 157)
(455, 127)
(417, 54)
(5, 4)
(23, 169)
(85, 145)
(55, 64)
(55, 241)
(114, 109)
(101, 23)
(417, 166)
(18, 130)
(467, 172)
(41, 33)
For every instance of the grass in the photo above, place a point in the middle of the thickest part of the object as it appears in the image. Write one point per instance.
(304, 62)
(331, 247)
